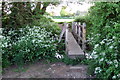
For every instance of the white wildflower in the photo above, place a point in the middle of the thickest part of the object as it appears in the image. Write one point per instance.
(98, 70)
(115, 54)
(88, 56)
(111, 47)
(114, 37)
(105, 39)
(102, 42)
(109, 62)
(95, 56)
(5, 44)
(118, 75)
(58, 56)
(114, 77)
(108, 43)
(93, 53)
(1, 36)
(110, 40)
(96, 45)
(98, 34)
(107, 26)
(116, 65)
(91, 38)
(103, 53)
(115, 61)
(33, 40)
(101, 59)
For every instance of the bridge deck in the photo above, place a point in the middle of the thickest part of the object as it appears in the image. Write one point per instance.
(73, 48)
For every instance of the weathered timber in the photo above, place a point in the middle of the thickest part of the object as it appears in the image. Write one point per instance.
(79, 32)
(72, 47)
(63, 31)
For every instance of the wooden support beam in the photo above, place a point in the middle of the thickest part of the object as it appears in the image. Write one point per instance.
(66, 36)
(63, 31)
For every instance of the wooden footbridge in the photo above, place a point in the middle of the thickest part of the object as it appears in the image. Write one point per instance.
(75, 39)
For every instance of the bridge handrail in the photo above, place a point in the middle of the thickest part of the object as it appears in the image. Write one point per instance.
(79, 31)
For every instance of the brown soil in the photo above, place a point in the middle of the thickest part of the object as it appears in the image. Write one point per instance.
(47, 70)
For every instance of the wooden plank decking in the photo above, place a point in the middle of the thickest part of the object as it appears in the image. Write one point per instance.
(72, 47)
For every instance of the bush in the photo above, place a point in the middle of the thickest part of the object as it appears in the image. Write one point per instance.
(104, 39)
(48, 24)
(37, 43)
(82, 19)
(20, 44)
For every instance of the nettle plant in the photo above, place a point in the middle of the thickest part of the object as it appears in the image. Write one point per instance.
(105, 40)
(35, 44)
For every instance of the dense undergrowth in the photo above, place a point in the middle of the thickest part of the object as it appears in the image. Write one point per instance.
(29, 37)
(103, 34)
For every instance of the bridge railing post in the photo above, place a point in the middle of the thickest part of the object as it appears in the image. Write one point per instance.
(84, 36)
(79, 31)
(73, 25)
(66, 35)
(76, 25)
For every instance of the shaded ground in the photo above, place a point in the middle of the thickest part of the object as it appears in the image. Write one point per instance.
(47, 70)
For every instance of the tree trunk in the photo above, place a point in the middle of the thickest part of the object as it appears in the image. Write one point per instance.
(37, 9)
(45, 4)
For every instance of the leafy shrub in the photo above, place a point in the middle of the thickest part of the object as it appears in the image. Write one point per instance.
(37, 43)
(82, 19)
(20, 44)
(104, 39)
(48, 24)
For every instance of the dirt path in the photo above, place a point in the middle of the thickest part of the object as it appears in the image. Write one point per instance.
(49, 70)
